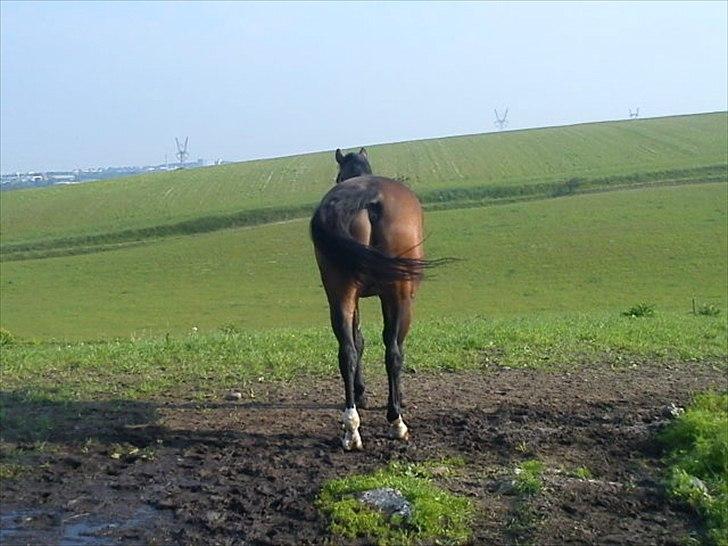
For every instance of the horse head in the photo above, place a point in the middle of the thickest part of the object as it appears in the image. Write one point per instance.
(352, 164)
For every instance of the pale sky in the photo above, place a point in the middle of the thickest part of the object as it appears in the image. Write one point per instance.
(111, 84)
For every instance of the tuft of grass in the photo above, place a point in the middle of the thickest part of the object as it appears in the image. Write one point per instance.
(8, 471)
(640, 310)
(583, 473)
(528, 477)
(16, 462)
(437, 515)
(698, 458)
(708, 310)
(6, 338)
(523, 517)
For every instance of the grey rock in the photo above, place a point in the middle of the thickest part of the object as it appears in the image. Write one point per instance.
(388, 500)
(673, 411)
(700, 486)
(233, 396)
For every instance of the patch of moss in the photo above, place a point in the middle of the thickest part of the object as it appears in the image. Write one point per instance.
(437, 515)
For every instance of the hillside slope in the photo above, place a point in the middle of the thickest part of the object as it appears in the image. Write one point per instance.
(689, 147)
(580, 254)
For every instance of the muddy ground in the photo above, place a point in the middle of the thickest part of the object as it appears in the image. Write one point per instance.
(179, 471)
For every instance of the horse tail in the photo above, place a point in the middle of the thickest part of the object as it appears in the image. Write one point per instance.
(330, 233)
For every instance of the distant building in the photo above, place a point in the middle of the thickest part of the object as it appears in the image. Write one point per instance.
(37, 179)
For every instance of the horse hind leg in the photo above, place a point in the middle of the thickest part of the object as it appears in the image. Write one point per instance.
(360, 396)
(350, 418)
(397, 317)
(341, 320)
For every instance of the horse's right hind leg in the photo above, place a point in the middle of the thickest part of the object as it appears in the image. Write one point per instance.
(397, 318)
(360, 396)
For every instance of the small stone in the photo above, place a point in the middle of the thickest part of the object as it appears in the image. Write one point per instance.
(388, 500)
(698, 484)
(673, 411)
(213, 517)
(233, 396)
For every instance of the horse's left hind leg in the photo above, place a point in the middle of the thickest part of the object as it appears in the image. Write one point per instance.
(342, 314)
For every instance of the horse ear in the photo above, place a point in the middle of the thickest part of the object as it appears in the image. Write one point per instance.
(363, 152)
(339, 156)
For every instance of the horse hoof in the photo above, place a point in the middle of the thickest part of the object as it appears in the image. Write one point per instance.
(398, 430)
(352, 442)
(362, 402)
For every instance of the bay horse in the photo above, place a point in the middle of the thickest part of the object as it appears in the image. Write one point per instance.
(367, 236)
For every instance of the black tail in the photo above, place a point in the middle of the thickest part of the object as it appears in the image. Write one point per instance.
(330, 234)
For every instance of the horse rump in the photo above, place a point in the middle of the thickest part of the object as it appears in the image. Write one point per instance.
(330, 234)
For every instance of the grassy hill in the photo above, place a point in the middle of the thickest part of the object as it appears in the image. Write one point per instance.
(579, 254)
(454, 171)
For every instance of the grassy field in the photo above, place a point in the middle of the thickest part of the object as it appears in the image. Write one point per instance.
(542, 283)
(587, 253)
(457, 168)
(544, 276)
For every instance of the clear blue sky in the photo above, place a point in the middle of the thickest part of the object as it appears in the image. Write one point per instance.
(98, 84)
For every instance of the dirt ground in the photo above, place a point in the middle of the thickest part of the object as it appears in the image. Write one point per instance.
(178, 471)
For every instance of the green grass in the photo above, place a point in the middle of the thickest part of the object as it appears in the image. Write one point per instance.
(133, 289)
(698, 444)
(708, 310)
(583, 473)
(523, 518)
(527, 479)
(438, 516)
(9, 471)
(207, 364)
(462, 168)
(640, 310)
(582, 254)
(445, 199)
